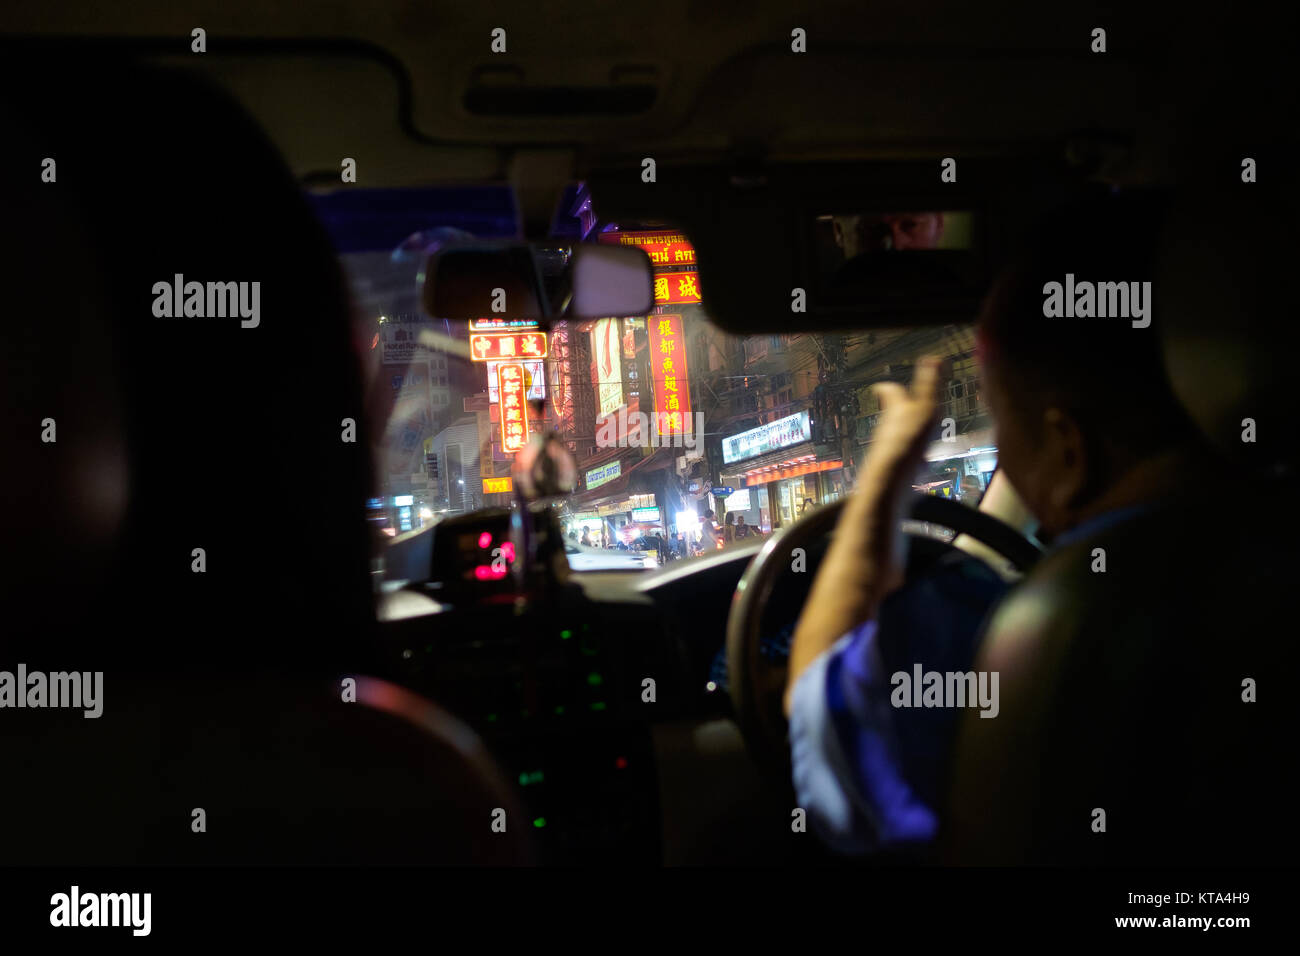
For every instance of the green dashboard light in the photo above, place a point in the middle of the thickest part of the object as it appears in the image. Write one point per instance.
(535, 777)
(566, 634)
(560, 709)
(595, 679)
(539, 822)
(598, 705)
(492, 718)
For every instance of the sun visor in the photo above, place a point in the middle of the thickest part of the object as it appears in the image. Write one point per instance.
(845, 245)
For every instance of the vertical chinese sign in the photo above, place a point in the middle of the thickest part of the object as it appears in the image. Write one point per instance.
(669, 371)
(514, 409)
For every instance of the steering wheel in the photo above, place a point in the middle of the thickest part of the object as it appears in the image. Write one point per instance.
(757, 686)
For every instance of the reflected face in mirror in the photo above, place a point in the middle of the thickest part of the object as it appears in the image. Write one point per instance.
(858, 235)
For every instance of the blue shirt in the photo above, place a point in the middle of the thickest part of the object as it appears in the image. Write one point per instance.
(870, 775)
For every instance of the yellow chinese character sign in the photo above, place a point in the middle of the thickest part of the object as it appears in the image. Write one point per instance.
(669, 371)
(677, 288)
(490, 346)
(514, 413)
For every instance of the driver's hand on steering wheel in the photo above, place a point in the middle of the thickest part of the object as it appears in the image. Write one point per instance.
(865, 560)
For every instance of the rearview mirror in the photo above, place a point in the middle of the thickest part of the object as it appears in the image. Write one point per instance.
(536, 281)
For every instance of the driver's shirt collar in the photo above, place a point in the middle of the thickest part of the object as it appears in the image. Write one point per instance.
(1098, 523)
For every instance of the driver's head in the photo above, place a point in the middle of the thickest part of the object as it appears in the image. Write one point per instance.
(879, 232)
(915, 230)
(1080, 403)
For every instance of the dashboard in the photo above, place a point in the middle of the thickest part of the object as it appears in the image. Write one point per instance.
(603, 697)
(567, 693)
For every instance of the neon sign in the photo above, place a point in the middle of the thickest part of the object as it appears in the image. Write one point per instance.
(669, 370)
(491, 346)
(514, 407)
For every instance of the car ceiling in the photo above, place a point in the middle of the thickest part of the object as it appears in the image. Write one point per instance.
(412, 91)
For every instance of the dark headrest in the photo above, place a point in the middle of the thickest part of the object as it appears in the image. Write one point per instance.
(1156, 648)
(233, 435)
(1229, 330)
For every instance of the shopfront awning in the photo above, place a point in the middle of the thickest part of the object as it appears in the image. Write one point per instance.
(786, 463)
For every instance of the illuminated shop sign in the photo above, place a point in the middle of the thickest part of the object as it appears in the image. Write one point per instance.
(645, 514)
(490, 346)
(669, 371)
(677, 288)
(607, 347)
(604, 474)
(663, 248)
(667, 250)
(534, 378)
(738, 500)
(781, 433)
(498, 486)
(514, 414)
(502, 325)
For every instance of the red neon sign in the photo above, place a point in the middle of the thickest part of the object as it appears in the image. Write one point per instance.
(514, 407)
(664, 248)
(670, 372)
(677, 288)
(494, 346)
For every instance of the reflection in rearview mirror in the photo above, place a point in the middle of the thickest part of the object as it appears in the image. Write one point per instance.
(861, 233)
(858, 251)
(537, 281)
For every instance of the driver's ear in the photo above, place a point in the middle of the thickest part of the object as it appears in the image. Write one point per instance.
(1070, 460)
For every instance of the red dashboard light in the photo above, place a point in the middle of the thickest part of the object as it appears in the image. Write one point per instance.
(485, 539)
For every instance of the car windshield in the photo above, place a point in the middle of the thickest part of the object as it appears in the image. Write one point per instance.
(688, 440)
